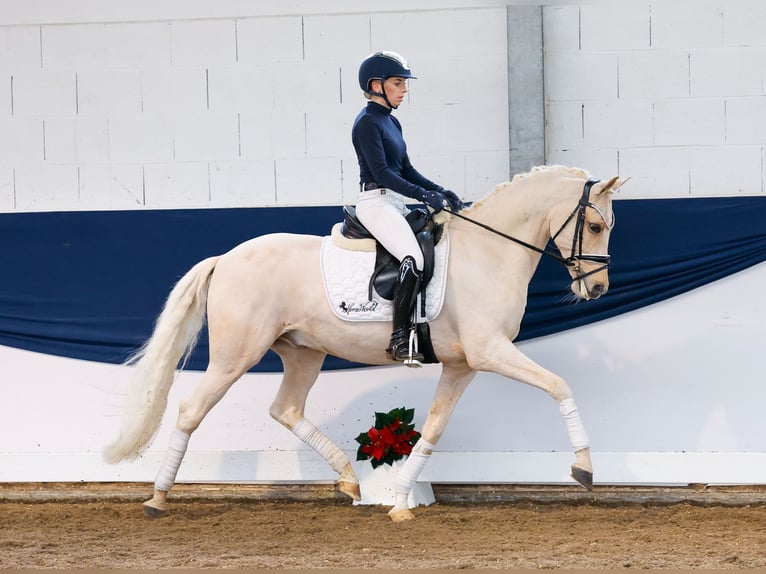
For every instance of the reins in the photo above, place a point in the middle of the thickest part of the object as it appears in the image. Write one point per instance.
(574, 259)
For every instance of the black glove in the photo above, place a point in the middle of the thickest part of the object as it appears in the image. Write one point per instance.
(434, 200)
(454, 201)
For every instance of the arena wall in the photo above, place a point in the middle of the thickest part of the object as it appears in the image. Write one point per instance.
(143, 105)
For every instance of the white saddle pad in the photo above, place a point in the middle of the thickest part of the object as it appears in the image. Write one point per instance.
(346, 275)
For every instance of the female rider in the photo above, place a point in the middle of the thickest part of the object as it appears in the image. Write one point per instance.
(385, 167)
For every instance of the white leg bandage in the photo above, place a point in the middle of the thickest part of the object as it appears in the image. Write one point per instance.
(166, 476)
(313, 437)
(410, 470)
(577, 434)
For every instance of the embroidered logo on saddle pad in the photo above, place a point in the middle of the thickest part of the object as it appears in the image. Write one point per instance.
(346, 272)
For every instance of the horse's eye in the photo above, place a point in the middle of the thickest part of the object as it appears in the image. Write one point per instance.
(595, 227)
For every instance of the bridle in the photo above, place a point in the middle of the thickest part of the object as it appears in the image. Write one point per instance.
(576, 255)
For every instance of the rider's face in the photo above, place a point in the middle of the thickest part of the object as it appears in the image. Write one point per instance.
(396, 90)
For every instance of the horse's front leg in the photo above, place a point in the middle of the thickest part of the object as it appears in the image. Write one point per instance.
(504, 358)
(301, 369)
(452, 383)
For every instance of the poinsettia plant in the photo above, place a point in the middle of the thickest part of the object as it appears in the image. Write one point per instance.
(391, 439)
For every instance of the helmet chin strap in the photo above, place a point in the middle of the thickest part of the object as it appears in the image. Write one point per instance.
(382, 94)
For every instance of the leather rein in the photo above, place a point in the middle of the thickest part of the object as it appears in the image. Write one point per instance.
(576, 255)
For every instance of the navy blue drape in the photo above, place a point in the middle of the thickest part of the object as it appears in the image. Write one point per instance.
(89, 285)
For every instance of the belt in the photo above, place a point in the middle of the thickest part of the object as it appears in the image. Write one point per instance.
(370, 185)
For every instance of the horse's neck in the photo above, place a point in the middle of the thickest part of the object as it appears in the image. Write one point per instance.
(516, 211)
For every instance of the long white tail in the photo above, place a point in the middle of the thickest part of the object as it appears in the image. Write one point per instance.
(175, 334)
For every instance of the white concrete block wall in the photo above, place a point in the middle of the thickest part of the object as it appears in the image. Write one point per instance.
(240, 109)
(669, 93)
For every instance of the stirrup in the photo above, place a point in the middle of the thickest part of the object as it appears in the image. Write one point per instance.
(408, 355)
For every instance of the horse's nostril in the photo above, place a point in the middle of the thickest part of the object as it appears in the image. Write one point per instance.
(597, 289)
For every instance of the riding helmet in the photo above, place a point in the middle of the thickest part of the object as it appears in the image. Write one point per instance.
(381, 66)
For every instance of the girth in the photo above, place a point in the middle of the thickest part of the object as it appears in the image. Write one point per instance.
(386, 268)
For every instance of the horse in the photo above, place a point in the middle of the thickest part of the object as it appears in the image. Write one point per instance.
(267, 293)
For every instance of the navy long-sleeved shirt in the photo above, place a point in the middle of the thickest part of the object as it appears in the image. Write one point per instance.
(382, 153)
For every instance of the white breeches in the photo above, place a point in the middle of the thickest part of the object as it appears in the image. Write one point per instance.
(383, 216)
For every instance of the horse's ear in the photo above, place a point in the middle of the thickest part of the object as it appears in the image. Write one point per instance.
(611, 185)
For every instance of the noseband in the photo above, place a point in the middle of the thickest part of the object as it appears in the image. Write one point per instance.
(576, 255)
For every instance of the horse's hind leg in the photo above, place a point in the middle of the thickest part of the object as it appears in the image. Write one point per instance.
(209, 391)
(301, 369)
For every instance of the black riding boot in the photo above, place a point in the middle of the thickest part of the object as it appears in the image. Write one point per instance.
(405, 295)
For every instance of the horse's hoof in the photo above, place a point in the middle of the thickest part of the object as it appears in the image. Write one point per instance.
(401, 515)
(153, 511)
(350, 489)
(583, 477)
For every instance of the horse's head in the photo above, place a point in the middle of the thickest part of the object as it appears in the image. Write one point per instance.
(581, 233)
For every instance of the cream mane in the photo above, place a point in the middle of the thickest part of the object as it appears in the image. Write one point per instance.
(534, 172)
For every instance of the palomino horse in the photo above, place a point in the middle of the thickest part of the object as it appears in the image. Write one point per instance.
(267, 293)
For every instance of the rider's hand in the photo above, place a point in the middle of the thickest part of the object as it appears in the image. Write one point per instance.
(454, 201)
(434, 200)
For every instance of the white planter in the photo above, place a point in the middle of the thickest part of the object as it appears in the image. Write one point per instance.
(377, 486)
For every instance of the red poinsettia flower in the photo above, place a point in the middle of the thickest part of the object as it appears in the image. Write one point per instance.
(391, 439)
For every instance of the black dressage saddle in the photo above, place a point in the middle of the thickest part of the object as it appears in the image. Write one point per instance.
(386, 268)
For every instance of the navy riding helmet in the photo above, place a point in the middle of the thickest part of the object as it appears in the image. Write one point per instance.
(381, 66)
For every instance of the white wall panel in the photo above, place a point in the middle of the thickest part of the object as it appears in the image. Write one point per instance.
(21, 140)
(73, 46)
(563, 25)
(141, 137)
(689, 122)
(112, 186)
(19, 47)
(240, 88)
(60, 140)
(565, 119)
(174, 90)
(6, 93)
(618, 124)
(46, 187)
(273, 134)
(168, 185)
(306, 85)
(7, 192)
(44, 93)
(328, 130)
(614, 26)
(578, 76)
(687, 23)
(745, 120)
(322, 37)
(655, 172)
(206, 136)
(310, 181)
(203, 42)
(656, 74)
(137, 45)
(483, 171)
(743, 23)
(242, 183)
(726, 71)
(262, 41)
(106, 92)
(710, 175)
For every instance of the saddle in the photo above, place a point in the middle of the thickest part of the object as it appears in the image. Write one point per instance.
(383, 278)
